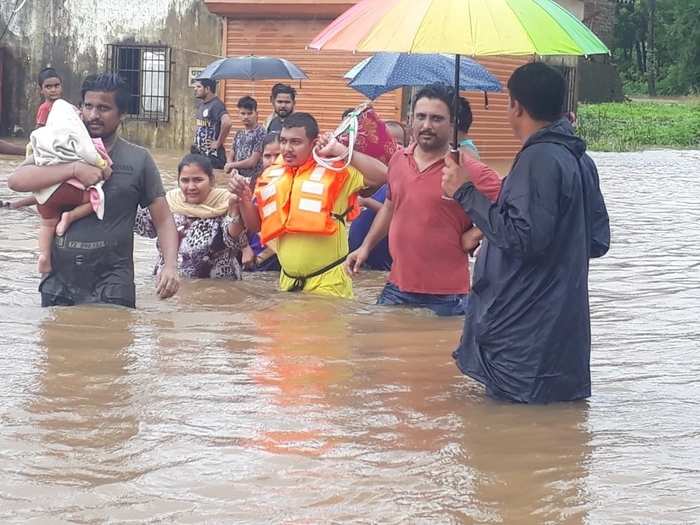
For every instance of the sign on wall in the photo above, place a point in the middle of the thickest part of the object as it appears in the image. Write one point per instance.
(194, 72)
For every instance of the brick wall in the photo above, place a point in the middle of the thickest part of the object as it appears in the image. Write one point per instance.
(599, 15)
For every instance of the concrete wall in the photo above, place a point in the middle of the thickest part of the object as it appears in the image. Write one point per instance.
(599, 80)
(72, 36)
(575, 6)
(600, 16)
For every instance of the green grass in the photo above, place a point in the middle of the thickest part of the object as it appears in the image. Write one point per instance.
(635, 126)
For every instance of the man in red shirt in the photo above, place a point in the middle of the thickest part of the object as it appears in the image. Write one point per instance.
(430, 264)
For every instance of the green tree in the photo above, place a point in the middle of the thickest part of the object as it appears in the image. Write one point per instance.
(675, 56)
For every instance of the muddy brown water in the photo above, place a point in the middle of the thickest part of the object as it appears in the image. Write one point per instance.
(233, 403)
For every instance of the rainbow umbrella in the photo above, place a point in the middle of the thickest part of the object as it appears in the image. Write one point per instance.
(475, 28)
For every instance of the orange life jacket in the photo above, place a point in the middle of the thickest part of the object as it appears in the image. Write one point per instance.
(301, 200)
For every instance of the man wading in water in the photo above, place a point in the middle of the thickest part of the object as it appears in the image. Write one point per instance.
(430, 267)
(303, 207)
(527, 331)
(93, 261)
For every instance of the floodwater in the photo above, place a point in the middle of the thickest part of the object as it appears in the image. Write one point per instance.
(233, 403)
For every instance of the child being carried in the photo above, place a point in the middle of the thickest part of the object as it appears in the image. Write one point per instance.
(65, 139)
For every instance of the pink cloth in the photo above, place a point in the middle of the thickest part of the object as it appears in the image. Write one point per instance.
(97, 196)
(100, 147)
(425, 237)
(373, 138)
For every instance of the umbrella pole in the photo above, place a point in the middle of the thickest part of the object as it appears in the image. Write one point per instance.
(455, 136)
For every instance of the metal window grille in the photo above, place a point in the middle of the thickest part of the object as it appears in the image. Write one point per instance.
(146, 70)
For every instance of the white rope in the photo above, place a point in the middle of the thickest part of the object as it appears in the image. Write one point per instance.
(350, 125)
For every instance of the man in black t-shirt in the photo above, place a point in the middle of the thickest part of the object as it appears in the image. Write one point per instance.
(213, 123)
(93, 261)
(283, 100)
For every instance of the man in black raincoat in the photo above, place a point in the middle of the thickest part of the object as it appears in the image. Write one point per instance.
(527, 334)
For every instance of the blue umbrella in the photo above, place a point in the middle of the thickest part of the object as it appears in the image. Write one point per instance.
(385, 72)
(253, 68)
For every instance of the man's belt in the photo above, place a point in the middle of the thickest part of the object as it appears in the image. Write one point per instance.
(300, 282)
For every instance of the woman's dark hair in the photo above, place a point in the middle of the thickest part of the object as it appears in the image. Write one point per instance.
(347, 112)
(108, 83)
(197, 160)
(464, 115)
(440, 92)
(47, 73)
(248, 103)
(540, 90)
(283, 89)
(302, 120)
(270, 138)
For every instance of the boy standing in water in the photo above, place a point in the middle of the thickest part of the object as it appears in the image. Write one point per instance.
(263, 258)
(245, 155)
(50, 89)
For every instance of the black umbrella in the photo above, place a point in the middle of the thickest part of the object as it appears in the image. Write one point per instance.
(253, 68)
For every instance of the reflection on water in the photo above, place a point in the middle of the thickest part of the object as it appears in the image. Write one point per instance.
(83, 401)
(233, 403)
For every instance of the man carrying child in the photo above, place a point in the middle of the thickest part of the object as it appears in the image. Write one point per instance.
(93, 261)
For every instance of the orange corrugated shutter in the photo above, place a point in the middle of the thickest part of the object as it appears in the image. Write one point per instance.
(325, 94)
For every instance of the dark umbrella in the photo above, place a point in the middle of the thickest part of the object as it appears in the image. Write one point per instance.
(385, 72)
(253, 68)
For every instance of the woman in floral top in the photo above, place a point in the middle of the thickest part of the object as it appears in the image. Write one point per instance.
(207, 219)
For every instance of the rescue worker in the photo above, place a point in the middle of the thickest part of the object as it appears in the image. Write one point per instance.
(527, 330)
(303, 207)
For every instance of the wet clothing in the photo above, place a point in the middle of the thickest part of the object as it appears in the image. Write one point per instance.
(425, 236)
(270, 263)
(303, 254)
(42, 113)
(527, 333)
(379, 258)
(245, 143)
(93, 261)
(208, 129)
(442, 305)
(206, 250)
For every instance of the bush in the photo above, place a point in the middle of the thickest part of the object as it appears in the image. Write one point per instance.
(633, 126)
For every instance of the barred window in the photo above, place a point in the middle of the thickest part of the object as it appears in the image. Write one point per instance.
(146, 70)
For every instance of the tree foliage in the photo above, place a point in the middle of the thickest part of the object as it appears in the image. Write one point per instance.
(677, 47)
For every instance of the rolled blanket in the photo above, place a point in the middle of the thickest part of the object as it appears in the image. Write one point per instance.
(65, 139)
